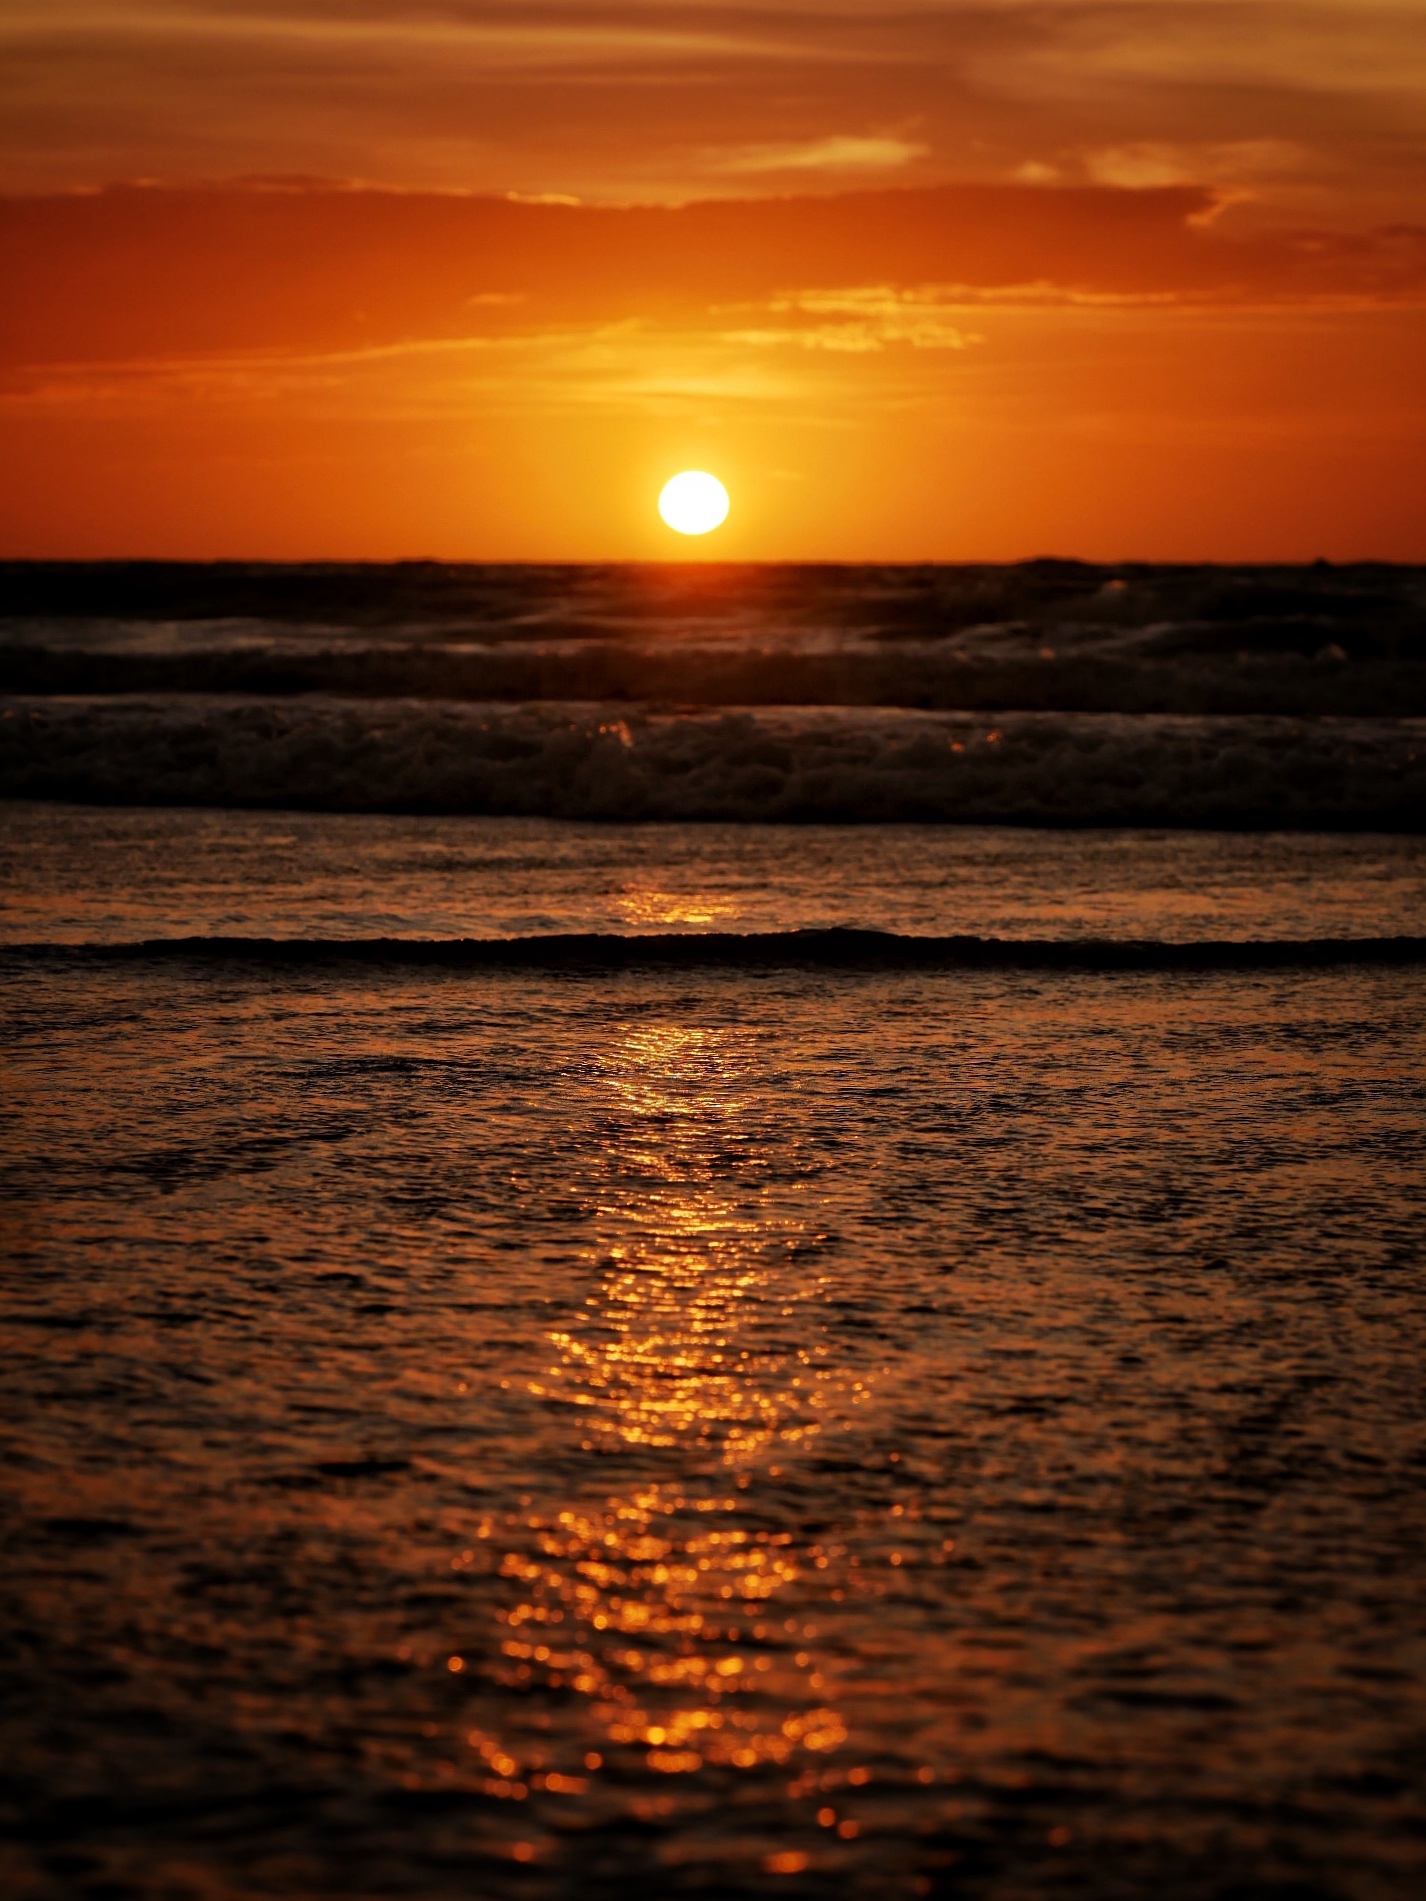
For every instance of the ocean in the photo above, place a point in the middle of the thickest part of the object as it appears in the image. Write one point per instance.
(728, 1300)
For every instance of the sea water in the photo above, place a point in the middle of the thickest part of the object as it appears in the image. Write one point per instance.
(808, 1430)
(93, 875)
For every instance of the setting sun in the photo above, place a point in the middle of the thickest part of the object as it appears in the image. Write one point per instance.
(693, 502)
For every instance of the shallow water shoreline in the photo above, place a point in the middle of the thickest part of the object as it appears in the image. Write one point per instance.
(94, 875)
(842, 1435)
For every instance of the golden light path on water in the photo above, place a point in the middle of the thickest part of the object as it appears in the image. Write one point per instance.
(660, 1604)
(647, 906)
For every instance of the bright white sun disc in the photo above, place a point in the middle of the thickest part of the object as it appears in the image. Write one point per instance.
(693, 502)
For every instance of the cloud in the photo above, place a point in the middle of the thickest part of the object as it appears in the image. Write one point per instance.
(150, 274)
(837, 154)
(1240, 163)
(542, 37)
(621, 100)
(863, 318)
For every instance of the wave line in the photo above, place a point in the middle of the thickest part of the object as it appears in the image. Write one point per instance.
(835, 948)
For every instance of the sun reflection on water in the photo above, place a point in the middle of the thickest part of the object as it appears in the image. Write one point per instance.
(671, 1604)
(644, 905)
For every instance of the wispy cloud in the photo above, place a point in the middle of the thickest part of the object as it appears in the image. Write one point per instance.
(161, 275)
(1236, 163)
(540, 37)
(841, 153)
(860, 319)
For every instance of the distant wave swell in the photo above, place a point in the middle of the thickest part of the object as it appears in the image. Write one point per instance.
(837, 948)
(1047, 635)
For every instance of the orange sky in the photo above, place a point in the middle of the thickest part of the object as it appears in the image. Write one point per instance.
(299, 278)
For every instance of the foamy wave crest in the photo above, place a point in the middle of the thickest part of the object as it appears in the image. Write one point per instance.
(593, 762)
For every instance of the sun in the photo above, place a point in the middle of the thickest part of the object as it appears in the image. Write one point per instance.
(693, 502)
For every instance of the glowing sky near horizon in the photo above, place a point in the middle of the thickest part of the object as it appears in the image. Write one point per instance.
(1230, 372)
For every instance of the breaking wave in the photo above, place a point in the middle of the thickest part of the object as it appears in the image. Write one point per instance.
(601, 762)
